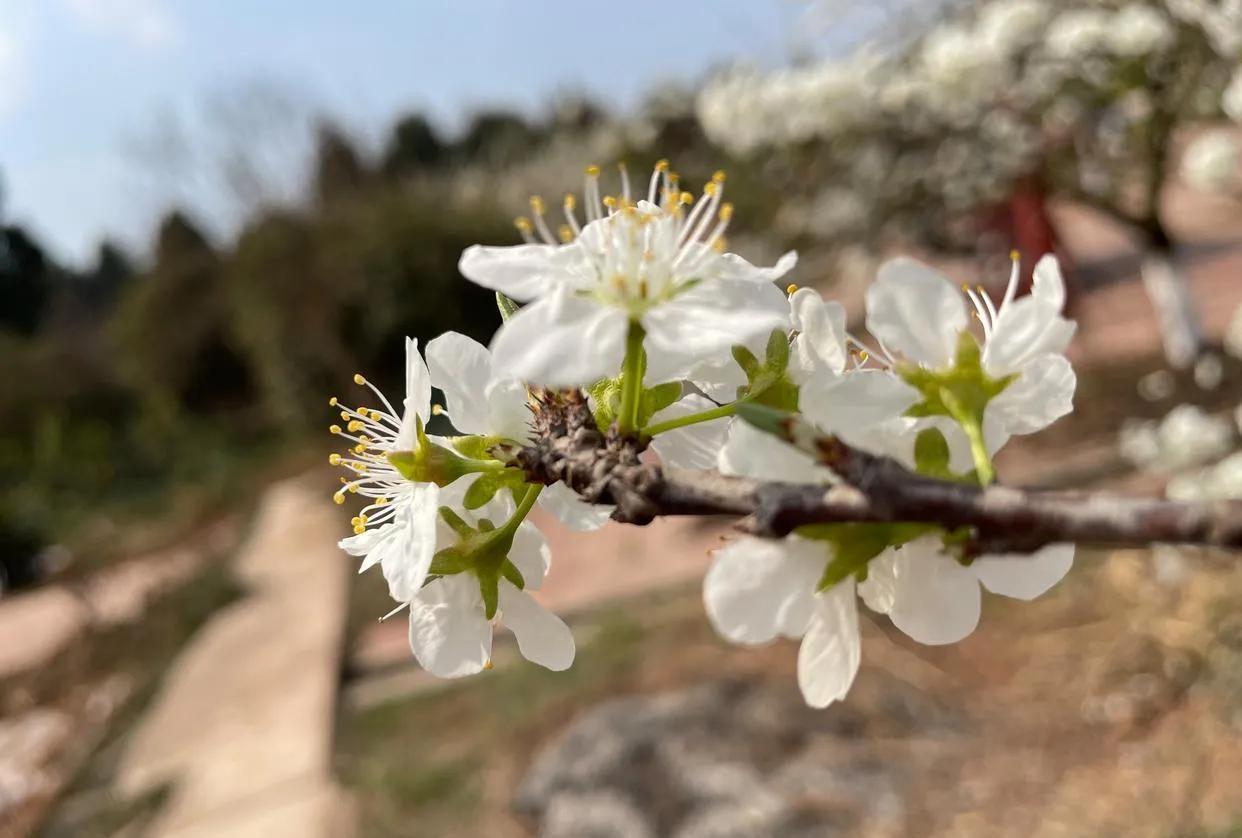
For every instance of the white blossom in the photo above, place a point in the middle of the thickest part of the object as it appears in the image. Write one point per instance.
(1211, 162)
(655, 263)
(1139, 29)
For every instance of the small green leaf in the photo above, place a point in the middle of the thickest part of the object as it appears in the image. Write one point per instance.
(487, 485)
(657, 398)
(768, 419)
(855, 545)
(455, 522)
(746, 360)
(777, 353)
(507, 307)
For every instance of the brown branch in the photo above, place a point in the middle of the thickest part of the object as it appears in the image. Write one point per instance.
(606, 468)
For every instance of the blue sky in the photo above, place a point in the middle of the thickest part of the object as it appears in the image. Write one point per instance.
(87, 86)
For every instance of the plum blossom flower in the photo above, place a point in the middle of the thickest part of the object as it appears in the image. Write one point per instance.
(657, 264)
(450, 633)
(916, 314)
(397, 529)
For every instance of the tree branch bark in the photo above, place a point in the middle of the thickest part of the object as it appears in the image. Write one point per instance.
(607, 468)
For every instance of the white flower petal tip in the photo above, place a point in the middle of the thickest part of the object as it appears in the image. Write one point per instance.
(1022, 576)
(916, 311)
(831, 651)
(449, 634)
(758, 589)
(543, 638)
(937, 600)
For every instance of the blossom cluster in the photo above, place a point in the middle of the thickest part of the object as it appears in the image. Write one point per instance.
(636, 299)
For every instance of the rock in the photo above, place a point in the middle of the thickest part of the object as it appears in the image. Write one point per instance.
(727, 760)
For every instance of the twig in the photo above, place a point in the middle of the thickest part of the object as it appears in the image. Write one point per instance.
(607, 468)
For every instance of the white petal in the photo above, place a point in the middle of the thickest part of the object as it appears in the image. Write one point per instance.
(1023, 576)
(462, 368)
(571, 510)
(730, 266)
(758, 588)
(937, 601)
(530, 555)
(750, 452)
(916, 311)
(405, 564)
(449, 633)
(707, 320)
(1026, 328)
(849, 405)
(832, 649)
(523, 272)
(417, 396)
(1047, 282)
(542, 637)
(694, 446)
(508, 415)
(561, 341)
(879, 589)
(820, 344)
(1042, 393)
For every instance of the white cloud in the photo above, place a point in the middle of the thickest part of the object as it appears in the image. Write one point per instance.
(144, 23)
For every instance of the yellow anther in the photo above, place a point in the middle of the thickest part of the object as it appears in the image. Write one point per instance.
(355, 521)
(359, 380)
(338, 498)
(437, 410)
(661, 165)
(710, 189)
(721, 245)
(489, 664)
(345, 417)
(566, 233)
(863, 356)
(359, 448)
(979, 288)
(718, 176)
(334, 429)
(536, 204)
(355, 426)
(523, 224)
(359, 529)
(791, 288)
(382, 502)
(726, 212)
(362, 519)
(332, 402)
(592, 171)
(334, 459)
(609, 201)
(685, 198)
(1015, 255)
(360, 468)
(571, 201)
(353, 490)
(965, 288)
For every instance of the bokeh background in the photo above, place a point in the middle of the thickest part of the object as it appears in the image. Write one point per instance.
(214, 214)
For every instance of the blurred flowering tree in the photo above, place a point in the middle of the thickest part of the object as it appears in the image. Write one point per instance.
(1005, 101)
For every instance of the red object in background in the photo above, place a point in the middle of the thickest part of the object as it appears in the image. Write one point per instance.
(1027, 226)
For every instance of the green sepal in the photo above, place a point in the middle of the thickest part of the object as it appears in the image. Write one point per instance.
(449, 561)
(489, 587)
(507, 307)
(961, 392)
(746, 360)
(485, 487)
(455, 522)
(931, 453)
(657, 398)
(606, 396)
(509, 571)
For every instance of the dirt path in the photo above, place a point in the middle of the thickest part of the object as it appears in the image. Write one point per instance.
(242, 728)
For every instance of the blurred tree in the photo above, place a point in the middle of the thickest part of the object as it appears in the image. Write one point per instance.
(413, 146)
(498, 138)
(102, 284)
(171, 327)
(25, 281)
(339, 171)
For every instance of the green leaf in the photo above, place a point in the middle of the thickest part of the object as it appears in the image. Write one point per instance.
(780, 393)
(606, 395)
(777, 353)
(855, 545)
(509, 571)
(507, 307)
(455, 522)
(746, 360)
(657, 398)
